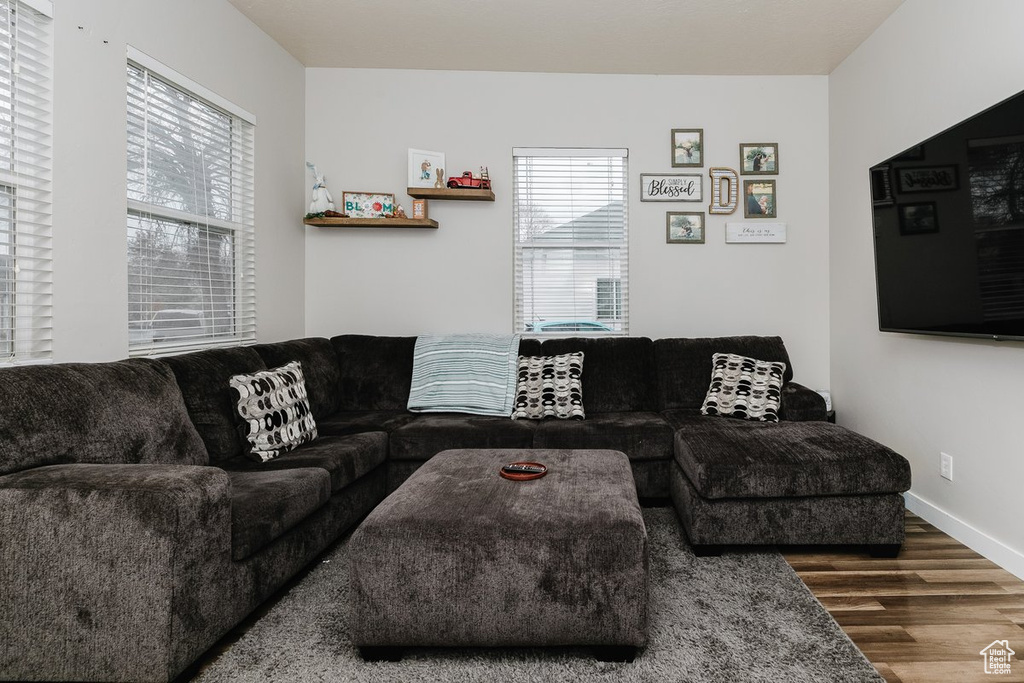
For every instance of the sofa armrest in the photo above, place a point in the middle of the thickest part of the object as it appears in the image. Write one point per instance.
(801, 404)
(108, 572)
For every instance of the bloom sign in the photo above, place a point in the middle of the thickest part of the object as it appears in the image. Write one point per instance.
(368, 204)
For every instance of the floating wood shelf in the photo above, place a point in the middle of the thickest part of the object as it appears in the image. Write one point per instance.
(462, 194)
(372, 222)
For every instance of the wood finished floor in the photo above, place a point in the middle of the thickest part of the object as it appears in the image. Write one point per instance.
(924, 616)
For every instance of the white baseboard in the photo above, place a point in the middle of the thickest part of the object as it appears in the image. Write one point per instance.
(1000, 553)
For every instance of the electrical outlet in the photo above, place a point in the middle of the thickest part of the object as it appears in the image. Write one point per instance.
(946, 466)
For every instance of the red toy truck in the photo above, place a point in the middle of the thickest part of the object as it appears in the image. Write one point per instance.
(468, 181)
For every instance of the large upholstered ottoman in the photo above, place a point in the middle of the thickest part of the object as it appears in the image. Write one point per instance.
(738, 482)
(459, 556)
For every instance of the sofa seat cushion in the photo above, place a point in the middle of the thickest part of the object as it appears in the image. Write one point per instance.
(264, 505)
(742, 459)
(346, 458)
(640, 435)
(358, 421)
(429, 434)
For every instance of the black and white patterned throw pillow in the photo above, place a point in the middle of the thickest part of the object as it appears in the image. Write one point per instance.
(549, 386)
(275, 410)
(745, 388)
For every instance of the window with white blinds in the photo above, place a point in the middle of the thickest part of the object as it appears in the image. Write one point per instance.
(570, 220)
(26, 273)
(190, 218)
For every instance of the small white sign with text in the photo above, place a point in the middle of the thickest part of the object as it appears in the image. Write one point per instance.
(763, 233)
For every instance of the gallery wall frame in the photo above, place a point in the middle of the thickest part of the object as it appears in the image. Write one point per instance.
(684, 227)
(687, 147)
(914, 179)
(918, 218)
(759, 200)
(759, 158)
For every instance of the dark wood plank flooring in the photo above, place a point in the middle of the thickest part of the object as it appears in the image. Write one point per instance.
(925, 616)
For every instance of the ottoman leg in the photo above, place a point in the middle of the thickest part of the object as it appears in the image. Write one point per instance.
(615, 653)
(884, 550)
(378, 653)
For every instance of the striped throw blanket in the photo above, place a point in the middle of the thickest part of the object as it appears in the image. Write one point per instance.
(464, 373)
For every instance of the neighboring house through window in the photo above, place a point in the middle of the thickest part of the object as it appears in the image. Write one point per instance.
(609, 298)
(26, 273)
(571, 241)
(190, 215)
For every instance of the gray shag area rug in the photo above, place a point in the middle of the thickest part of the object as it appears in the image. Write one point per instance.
(739, 617)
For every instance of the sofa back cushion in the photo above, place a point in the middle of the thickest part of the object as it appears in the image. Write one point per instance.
(618, 372)
(203, 377)
(128, 412)
(684, 366)
(374, 373)
(319, 368)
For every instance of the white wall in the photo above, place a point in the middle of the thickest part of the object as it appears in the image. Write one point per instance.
(213, 44)
(931, 65)
(360, 123)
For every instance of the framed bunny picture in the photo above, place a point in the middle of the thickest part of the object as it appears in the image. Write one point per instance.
(426, 169)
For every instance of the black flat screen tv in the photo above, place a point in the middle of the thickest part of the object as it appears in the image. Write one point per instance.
(949, 230)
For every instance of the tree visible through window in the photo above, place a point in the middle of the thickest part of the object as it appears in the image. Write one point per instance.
(189, 219)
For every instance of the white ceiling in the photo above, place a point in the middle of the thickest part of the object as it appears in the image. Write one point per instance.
(710, 37)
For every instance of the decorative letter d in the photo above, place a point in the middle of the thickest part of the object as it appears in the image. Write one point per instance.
(724, 183)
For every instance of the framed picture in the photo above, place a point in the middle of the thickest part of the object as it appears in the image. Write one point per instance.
(881, 186)
(759, 199)
(927, 179)
(671, 187)
(426, 168)
(687, 147)
(368, 204)
(759, 158)
(918, 219)
(684, 227)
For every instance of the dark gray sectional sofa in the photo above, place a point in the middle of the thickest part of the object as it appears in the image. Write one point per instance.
(135, 532)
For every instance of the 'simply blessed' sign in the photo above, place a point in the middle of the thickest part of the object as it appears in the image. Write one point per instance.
(671, 187)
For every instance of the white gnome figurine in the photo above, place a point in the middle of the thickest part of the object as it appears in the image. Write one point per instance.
(322, 200)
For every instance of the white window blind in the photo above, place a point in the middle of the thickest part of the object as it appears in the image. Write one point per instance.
(26, 273)
(570, 220)
(190, 219)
